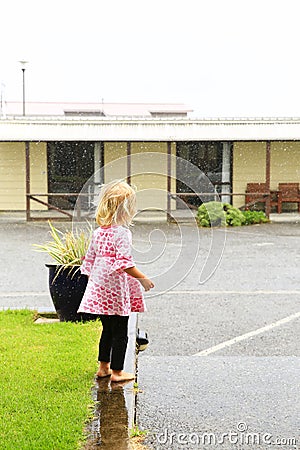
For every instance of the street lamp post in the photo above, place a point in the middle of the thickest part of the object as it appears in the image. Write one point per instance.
(23, 67)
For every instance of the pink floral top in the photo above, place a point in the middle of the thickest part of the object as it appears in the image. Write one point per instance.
(110, 290)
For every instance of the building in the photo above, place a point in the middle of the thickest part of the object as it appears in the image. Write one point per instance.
(51, 152)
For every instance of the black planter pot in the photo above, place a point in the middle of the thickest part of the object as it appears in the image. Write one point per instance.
(67, 289)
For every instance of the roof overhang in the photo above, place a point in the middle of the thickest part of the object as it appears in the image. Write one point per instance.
(144, 129)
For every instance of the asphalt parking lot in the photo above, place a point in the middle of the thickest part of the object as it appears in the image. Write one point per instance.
(222, 368)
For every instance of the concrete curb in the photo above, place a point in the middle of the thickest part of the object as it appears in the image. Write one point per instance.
(131, 366)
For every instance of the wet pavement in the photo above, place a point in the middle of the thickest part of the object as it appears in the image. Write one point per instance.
(244, 391)
(24, 277)
(247, 388)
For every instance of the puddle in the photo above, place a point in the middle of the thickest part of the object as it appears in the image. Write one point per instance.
(109, 427)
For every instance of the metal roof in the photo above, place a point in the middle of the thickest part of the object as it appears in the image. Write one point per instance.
(39, 128)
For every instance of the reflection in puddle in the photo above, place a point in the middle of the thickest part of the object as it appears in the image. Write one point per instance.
(109, 428)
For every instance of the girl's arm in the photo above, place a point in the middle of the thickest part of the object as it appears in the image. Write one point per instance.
(88, 261)
(136, 273)
(124, 260)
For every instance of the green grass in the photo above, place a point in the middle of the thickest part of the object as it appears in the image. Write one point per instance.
(46, 373)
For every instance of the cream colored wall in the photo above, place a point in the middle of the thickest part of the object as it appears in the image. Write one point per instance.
(13, 176)
(151, 174)
(249, 165)
(115, 167)
(152, 186)
(38, 173)
(285, 163)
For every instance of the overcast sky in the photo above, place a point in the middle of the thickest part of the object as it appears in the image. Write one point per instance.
(220, 57)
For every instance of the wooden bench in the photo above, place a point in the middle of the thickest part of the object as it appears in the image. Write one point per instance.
(289, 194)
(257, 193)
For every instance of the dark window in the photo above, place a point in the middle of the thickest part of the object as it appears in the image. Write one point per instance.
(70, 165)
(207, 156)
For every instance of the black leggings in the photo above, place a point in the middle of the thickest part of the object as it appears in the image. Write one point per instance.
(113, 341)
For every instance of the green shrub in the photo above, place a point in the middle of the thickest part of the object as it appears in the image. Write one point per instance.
(234, 217)
(224, 214)
(211, 214)
(255, 217)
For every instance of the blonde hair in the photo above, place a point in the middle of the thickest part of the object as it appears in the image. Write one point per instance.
(117, 204)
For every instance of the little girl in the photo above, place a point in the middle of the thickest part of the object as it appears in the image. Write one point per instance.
(114, 286)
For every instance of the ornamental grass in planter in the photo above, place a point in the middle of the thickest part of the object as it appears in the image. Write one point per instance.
(66, 283)
(66, 248)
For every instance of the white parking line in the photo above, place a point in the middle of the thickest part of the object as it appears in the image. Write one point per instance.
(23, 294)
(243, 337)
(200, 292)
(259, 292)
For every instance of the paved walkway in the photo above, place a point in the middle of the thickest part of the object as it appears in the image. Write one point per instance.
(146, 216)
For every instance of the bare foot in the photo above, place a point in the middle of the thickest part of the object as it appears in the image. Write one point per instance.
(120, 375)
(104, 370)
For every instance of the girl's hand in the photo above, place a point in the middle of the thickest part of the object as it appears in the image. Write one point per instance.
(146, 283)
(136, 273)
